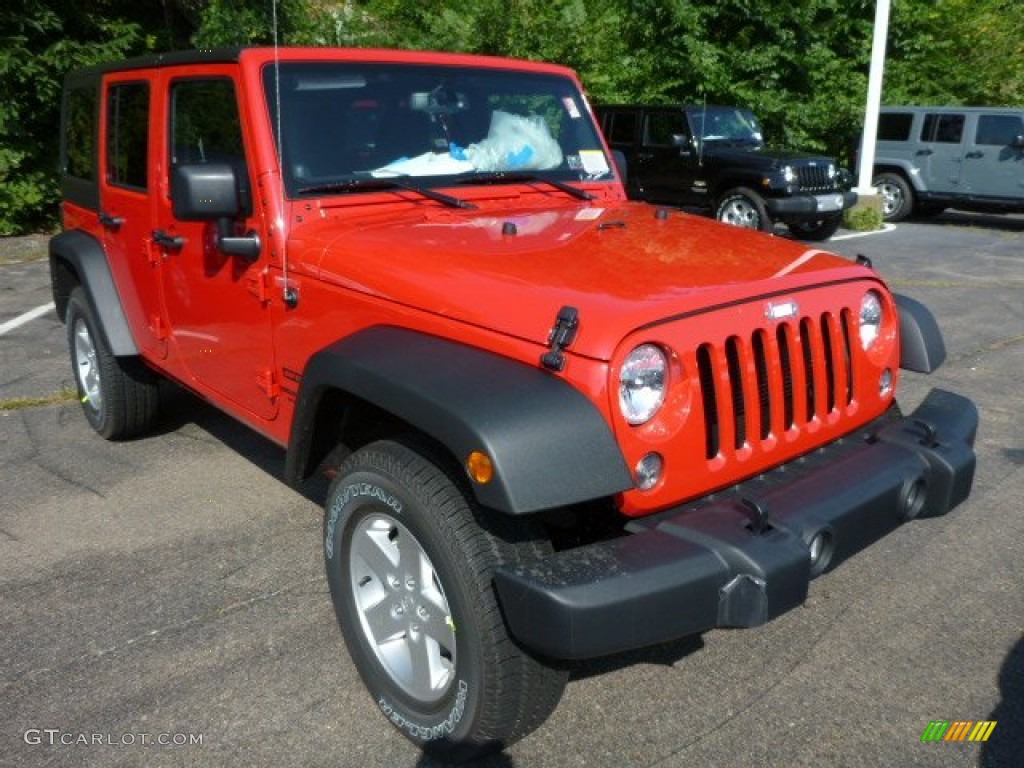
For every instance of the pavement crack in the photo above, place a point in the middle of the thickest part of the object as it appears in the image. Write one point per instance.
(995, 346)
(195, 620)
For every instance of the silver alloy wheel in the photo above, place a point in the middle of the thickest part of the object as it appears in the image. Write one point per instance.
(892, 198)
(87, 368)
(740, 213)
(402, 608)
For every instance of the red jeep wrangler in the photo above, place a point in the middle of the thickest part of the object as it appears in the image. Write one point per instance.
(560, 424)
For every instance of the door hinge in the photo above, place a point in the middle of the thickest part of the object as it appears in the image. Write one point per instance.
(258, 287)
(268, 383)
(151, 251)
(158, 327)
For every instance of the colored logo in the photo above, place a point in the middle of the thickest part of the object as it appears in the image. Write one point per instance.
(958, 730)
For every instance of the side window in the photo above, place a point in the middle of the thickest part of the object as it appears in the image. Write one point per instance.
(623, 127)
(894, 126)
(943, 128)
(128, 134)
(205, 126)
(80, 134)
(998, 130)
(661, 126)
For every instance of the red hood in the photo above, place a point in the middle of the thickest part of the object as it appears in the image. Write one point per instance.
(619, 265)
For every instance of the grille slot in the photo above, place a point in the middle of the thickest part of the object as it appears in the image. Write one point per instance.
(814, 178)
(752, 390)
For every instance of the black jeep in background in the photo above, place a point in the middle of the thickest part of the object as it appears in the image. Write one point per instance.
(715, 157)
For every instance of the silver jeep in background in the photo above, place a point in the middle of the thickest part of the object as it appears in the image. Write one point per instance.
(928, 159)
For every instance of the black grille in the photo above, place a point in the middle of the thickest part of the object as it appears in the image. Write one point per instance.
(814, 178)
(805, 364)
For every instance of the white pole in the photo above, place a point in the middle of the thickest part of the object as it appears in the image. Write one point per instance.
(867, 148)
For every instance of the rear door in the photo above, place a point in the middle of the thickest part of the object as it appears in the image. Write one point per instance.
(941, 151)
(993, 167)
(126, 208)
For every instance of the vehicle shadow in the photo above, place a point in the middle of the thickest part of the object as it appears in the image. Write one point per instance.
(1005, 748)
(180, 408)
(664, 654)
(996, 222)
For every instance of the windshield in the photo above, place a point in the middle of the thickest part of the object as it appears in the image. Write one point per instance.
(342, 122)
(726, 124)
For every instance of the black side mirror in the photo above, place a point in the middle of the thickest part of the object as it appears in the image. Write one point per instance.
(209, 192)
(681, 140)
(1018, 141)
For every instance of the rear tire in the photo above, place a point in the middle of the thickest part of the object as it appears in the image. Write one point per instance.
(119, 395)
(742, 207)
(410, 559)
(897, 196)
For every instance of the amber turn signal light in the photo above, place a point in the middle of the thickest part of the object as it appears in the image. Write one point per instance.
(480, 467)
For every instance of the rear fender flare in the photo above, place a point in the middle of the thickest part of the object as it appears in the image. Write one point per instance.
(84, 256)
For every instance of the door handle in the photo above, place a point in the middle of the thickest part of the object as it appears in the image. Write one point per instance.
(975, 154)
(644, 155)
(923, 152)
(110, 222)
(170, 242)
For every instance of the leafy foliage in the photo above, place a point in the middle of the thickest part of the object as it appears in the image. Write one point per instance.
(801, 65)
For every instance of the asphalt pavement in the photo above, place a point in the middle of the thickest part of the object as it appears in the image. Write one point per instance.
(162, 601)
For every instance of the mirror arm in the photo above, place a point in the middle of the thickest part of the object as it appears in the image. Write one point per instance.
(247, 246)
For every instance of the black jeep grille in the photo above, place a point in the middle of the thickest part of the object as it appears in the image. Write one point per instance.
(774, 380)
(814, 178)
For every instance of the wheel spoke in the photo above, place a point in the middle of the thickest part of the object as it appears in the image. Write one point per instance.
(384, 622)
(377, 550)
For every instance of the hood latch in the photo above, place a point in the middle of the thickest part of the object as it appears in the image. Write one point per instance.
(562, 334)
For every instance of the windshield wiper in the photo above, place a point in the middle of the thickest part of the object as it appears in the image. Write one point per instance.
(503, 177)
(372, 185)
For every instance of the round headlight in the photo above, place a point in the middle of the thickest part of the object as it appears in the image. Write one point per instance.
(870, 318)
(642, 383)
(789, 174)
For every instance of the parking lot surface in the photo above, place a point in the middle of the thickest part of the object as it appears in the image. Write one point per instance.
(163, 600)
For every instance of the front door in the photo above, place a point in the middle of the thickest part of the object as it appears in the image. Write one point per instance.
(218, 318)
(993, 166)
(666, 166)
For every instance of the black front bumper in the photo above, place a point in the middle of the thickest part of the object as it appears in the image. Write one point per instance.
(805, 206)
(744, 557)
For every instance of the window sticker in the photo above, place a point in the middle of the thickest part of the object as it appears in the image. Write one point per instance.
(571, 108)
(594, 161)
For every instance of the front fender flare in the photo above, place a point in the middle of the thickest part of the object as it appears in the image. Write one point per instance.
(921, 346)
(549, 445)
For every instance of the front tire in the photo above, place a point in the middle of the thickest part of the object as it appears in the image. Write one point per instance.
(817, 231)
(410, 559)
(742, 207)
(897, 196)
(119, 395)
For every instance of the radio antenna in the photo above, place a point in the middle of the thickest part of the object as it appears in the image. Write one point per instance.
(289, 294)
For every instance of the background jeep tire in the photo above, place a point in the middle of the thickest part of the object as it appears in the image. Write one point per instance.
(897, 196)
(743, 207)
(409, 560)
(816, 231)
(119, 395)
